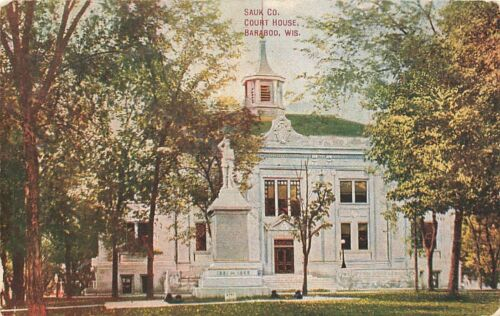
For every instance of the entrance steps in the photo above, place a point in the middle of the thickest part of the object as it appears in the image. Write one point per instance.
(293, 282)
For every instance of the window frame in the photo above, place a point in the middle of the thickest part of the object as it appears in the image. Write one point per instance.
(353, 191)
(275, 181)
(199, 224)
(343, 246)
(367, 236)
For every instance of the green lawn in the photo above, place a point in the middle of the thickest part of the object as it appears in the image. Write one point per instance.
(369, 303)
(309, 124)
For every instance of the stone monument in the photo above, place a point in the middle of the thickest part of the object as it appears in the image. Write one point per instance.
(231, 271)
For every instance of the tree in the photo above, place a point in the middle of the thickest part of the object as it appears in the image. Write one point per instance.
(117, 176)
(429, 235)
(186, 55)
(311, 216)
(481, 249)
(200, 170)
(12, 221)
(34, 64)
(434, 104)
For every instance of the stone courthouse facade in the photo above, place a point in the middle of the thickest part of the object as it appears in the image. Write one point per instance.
(377, 253)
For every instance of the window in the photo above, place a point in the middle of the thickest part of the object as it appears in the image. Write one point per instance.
(270, 201)
(345, 191)
(137, 233)
(201, 237)
(435, 279)
(265, 93)
(362, 236)
(282, 196)
(353, 191)
(142, 232)
(295, 197)
(360, 192)
(345, 234)
(127, 283)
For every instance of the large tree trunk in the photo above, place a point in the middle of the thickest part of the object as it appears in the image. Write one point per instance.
(429, 254)
(152, 213)
(490, 240)
(114, 271)
(455, 254)
(429, 248)
(304, 282)
(17, 279)
(4, 235)
(34, 277)
(415, 252)
(68, 289)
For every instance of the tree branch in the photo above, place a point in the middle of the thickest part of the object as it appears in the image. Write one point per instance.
(60, 45)
(5, 44)
(28, 24)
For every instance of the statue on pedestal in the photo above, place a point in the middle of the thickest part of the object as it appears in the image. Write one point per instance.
(227, 162)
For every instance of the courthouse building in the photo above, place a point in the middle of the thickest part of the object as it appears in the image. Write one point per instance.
(376, 252)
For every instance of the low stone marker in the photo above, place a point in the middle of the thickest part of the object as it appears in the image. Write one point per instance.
(230, 296)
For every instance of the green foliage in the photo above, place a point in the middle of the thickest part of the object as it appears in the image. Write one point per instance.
(200, 169)
(481, 249)
(431, 78)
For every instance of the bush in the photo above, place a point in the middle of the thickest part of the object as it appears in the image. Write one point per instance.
(168, 298)
(298, 295)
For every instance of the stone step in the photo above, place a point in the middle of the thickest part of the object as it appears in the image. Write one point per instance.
(294, 282)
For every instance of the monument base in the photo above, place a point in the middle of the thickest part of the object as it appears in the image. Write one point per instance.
(238, 278)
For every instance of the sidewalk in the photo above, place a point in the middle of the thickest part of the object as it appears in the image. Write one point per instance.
(161, 303)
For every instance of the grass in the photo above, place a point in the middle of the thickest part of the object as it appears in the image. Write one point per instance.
(317, 125)
(368, 303)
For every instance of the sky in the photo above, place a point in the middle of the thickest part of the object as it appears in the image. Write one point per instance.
(283, 52)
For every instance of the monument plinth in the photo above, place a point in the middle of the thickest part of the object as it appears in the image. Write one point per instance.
(231, 272)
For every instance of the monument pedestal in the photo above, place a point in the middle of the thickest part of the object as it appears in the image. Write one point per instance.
(238, 278)
(231, 273)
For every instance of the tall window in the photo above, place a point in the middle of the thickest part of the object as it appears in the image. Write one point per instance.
(295, 197)
(270, 199)
(265, 93)
(360, 192)
(142, 232)
(201, 236)
(345, 234)
(282, 196)
(346, 191)
(362, 235)
(353, 191)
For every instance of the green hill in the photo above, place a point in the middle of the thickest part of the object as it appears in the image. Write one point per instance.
(309, 124)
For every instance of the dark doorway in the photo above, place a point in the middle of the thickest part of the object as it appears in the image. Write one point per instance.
(283, 256)
(144, 283)
(127, 284)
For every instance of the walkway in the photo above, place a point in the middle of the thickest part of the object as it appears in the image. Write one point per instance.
(161, 303)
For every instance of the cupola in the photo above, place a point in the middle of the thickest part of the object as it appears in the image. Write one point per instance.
(264, 90)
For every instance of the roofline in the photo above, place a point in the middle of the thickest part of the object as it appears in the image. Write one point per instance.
(277, 77)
